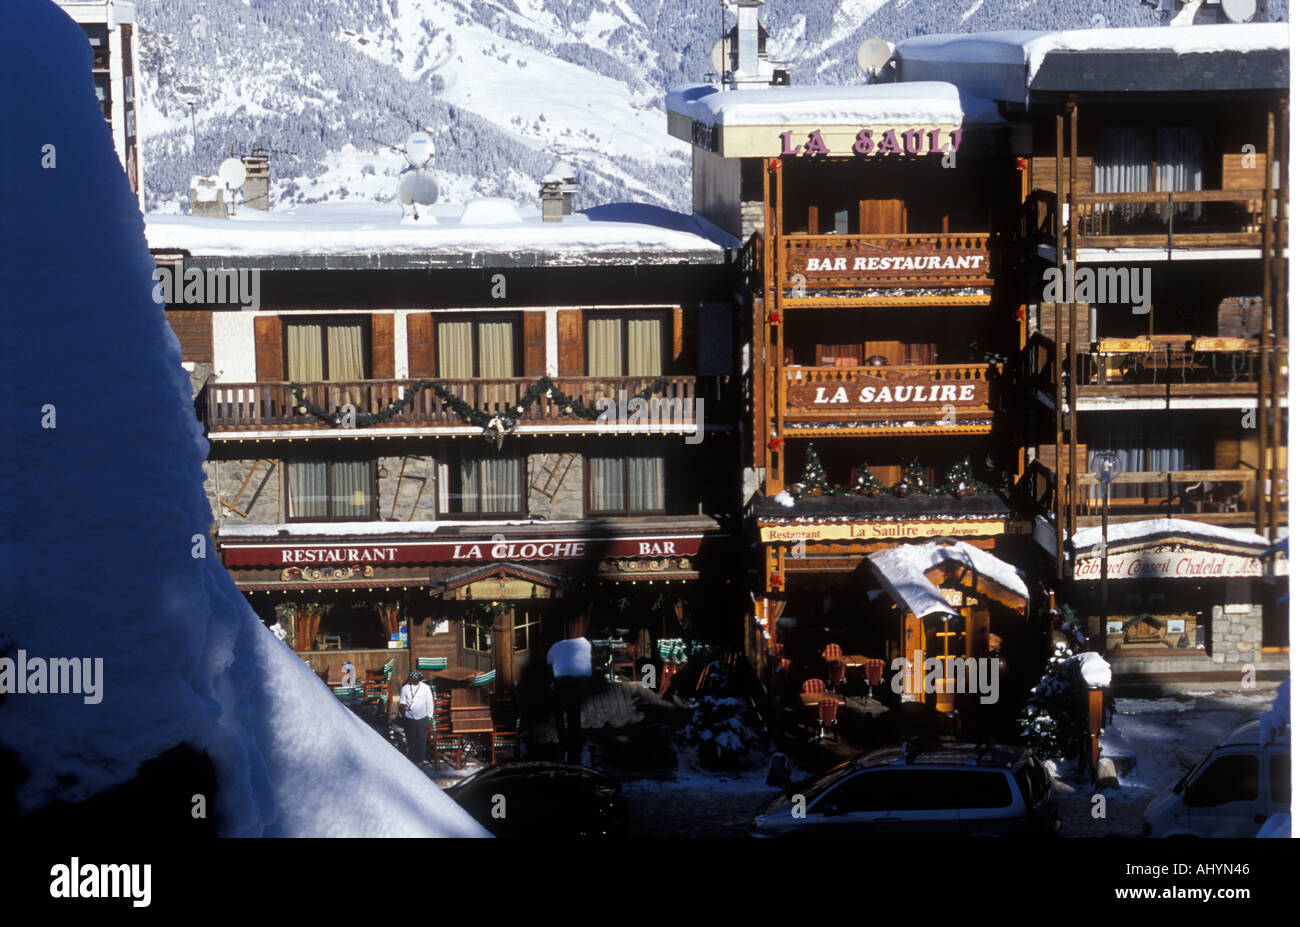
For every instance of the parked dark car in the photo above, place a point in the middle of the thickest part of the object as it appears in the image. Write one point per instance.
(543, 800)
(935, 789)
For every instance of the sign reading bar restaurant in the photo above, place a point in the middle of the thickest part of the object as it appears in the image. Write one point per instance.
(881, 530)
(889, 388)
(469, 550)
(1184, 564)
(867, 260)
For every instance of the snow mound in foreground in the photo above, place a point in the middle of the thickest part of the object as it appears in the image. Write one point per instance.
(105, 530)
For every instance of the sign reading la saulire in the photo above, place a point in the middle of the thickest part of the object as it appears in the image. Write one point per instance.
(888, 389)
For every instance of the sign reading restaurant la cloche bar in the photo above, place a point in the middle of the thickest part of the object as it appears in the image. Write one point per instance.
(890, 388)
(405, 552)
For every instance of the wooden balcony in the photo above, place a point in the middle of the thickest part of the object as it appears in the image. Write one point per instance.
(1168, 219)
(272, 406)
(824, 269)
(1165, 366)
(932, 398)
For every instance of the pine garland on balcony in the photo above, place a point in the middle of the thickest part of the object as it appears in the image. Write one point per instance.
(814, 481)
(866, 483)
(914, 481)
(494, 426)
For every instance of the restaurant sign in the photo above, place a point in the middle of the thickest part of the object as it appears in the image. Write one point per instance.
(1167, 564)
(884, 140)
(477, 550)
(889, 388)
(872, 531)
(870, 260)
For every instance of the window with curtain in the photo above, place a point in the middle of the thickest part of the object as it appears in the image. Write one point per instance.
(330, 490)
(625, 345)
(485, 483)
(332, 350)
(478, 348)
(1146, 159)
(627, 481)
(1147, 445)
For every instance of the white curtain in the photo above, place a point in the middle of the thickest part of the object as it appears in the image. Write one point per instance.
(496, 350)
(1123, 161)
(605, 347)
(456, 350)
(350, 489)
(646, 483)
(1143, 448)
(347, 356)
(645, 347)
(607, 476)
(304, 354)
(308, 489)
(501, 485)
(467, 499)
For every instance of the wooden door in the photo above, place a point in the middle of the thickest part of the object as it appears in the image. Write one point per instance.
(882, 217)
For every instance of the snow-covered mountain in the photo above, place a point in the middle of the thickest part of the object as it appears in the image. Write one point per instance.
(504, 85)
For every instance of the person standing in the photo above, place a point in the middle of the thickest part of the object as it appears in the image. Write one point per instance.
(570, 661)
(416, 706)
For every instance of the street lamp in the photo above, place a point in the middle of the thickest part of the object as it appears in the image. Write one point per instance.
(1105, 467)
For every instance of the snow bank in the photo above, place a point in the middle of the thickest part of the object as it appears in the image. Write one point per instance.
(927, 102)
(107, 553)
(1154, 527)
(901, 570)
(491, 225)
(1031, 47)
(1278, 717)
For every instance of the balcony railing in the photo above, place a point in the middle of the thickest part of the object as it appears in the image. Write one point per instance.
(829, 394)
(1174, 365)
(1168, 219)
(817, 265)
(242, 406)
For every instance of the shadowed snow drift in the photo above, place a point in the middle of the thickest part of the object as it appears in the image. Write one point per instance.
(105, 513)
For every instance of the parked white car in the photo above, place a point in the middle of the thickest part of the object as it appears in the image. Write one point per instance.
(1230, 793)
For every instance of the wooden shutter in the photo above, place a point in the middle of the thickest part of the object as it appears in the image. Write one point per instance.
(882, 217)
(570, 343)
(913, 641)
(268, 339)
(685, 340)
(382, 366)
(193, 329)
(534, 343)
(421, 353)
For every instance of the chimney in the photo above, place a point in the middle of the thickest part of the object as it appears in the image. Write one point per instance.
(207, 198)
(558, 187)
(747, 38)
(257, 182)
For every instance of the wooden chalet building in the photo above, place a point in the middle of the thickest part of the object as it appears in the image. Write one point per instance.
(883, 313)
(405, 439)
(1157, 183)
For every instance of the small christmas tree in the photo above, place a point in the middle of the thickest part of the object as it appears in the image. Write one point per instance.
(960, 481)
(913, 480)
(814, 481)
(1049, 722)
(865, 482)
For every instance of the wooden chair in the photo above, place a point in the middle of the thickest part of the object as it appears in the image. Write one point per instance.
(836, 670)
(446, 745)
(827, 709)
(433, 664)
(502, 740)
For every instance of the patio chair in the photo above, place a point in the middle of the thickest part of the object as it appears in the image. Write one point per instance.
(875, 673)
(827, 710)
(836, 672)
(503, 739)
(433, 664)
(446, 745)
(483, 679)
(811, 686)
(832, 652)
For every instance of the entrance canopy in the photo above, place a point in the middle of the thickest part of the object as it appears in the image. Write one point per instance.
(910, 573)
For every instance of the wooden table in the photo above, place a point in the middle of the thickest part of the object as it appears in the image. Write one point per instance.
(455, 674)
(813, 699)
(854, 659)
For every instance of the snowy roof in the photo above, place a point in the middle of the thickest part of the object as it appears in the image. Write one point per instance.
(1151, 528)
(483, 231)
(1022, 53)
(901, 570)
(921, 102)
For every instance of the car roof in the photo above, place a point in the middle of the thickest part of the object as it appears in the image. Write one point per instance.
(1247, 735)
(945, 753)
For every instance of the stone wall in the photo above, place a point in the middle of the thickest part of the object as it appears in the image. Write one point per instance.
(751, 218)
(1236, 637)
(555, 485)
(416, 490)
(261, 498)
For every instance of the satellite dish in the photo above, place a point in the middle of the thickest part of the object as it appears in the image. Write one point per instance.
(1239, 11)
(719, 56)
(417, 187)
(874, 54)
(419, 149)
(232, 173)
